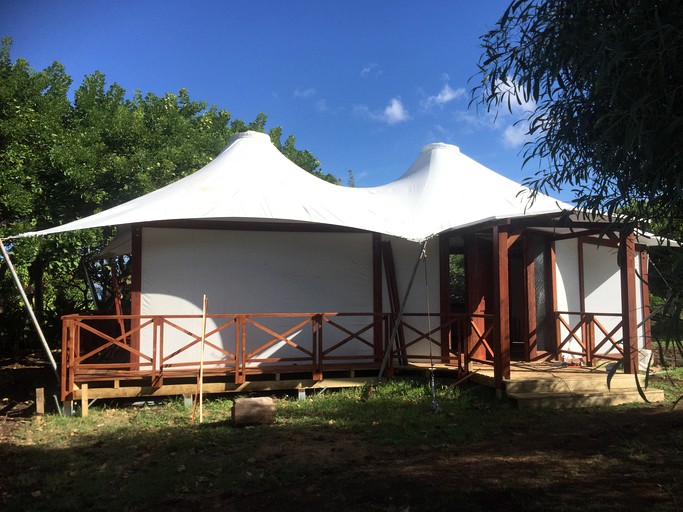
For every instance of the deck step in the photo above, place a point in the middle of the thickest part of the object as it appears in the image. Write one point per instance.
(561, 384)
(561, 400)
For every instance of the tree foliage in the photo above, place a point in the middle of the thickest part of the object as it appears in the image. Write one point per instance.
(61, 160)
(604, 85)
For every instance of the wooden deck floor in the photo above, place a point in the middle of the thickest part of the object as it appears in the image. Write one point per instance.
(550, 385)
(524, 371)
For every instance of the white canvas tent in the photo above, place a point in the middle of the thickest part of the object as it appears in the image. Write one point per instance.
(257, 234)
(252, 181)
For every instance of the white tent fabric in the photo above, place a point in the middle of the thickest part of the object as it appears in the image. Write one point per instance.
(444, 189)
(250, 180)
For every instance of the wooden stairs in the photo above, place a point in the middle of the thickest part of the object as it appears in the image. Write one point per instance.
(558, 390)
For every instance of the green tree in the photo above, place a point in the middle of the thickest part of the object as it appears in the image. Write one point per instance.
(604, 85)
(61, 160)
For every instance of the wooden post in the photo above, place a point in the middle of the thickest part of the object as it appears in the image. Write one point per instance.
(378, 340)
(84, 399)
(395, 302)
(475, 290)
(501, 304)
(117, 294)
(645, 297)
(40, 401)
(531, 335)
(135, 293)
(445, 298)
(628, 303)
(586, 324)
(205, 305)
(551, 301)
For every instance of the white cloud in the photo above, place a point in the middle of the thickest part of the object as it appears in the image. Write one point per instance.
(321, 106)
(525, 106)
(515, 135)
(445, 95)
(371, 69)
(393, 113)
(510, 123)
(474, 121)
(300, 92)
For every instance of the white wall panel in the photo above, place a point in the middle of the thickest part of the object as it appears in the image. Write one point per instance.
(424, 294)
(602, 283)
(256, 272)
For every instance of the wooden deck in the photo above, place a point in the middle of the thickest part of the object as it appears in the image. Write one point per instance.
(552, 385)
(157, 355)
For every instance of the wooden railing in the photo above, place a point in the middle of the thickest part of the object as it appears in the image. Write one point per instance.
(588, 331)
(129, 347)
(481, 328)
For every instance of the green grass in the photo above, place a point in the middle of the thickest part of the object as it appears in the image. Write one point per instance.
(365, 444)
(671, 381)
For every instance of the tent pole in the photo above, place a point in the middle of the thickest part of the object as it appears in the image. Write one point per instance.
(394, 330)
(29, 308)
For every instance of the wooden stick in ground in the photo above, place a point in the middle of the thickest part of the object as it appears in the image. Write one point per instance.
(201, 360)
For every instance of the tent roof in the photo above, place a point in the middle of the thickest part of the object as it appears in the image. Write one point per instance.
(250, 180)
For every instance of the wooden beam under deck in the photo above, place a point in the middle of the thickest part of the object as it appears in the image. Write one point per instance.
(217, 387)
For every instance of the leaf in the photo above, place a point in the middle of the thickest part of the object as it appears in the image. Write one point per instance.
(612, 371)
(641, 391)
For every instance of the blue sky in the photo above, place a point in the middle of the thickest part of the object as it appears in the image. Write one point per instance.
(363, 85)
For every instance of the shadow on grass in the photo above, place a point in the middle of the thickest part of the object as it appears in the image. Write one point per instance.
(361, 450)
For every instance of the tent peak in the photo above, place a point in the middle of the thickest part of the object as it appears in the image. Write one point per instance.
(248, 135)
(439, 145)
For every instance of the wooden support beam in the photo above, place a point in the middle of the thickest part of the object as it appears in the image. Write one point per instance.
(394, 299)
(475, 276)
(501, 304)
(84, 399)
(512, 239)
(444, 296)
(378, 339)
(531, 334)
(40, 401)
(586, 336)
(551, 304)
(223, 387)
(645, 297)
(628, 303)
(135, 291)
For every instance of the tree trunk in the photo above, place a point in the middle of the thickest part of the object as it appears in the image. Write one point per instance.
(37, 273)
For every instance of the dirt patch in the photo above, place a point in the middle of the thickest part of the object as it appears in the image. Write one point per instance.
(20, 375)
